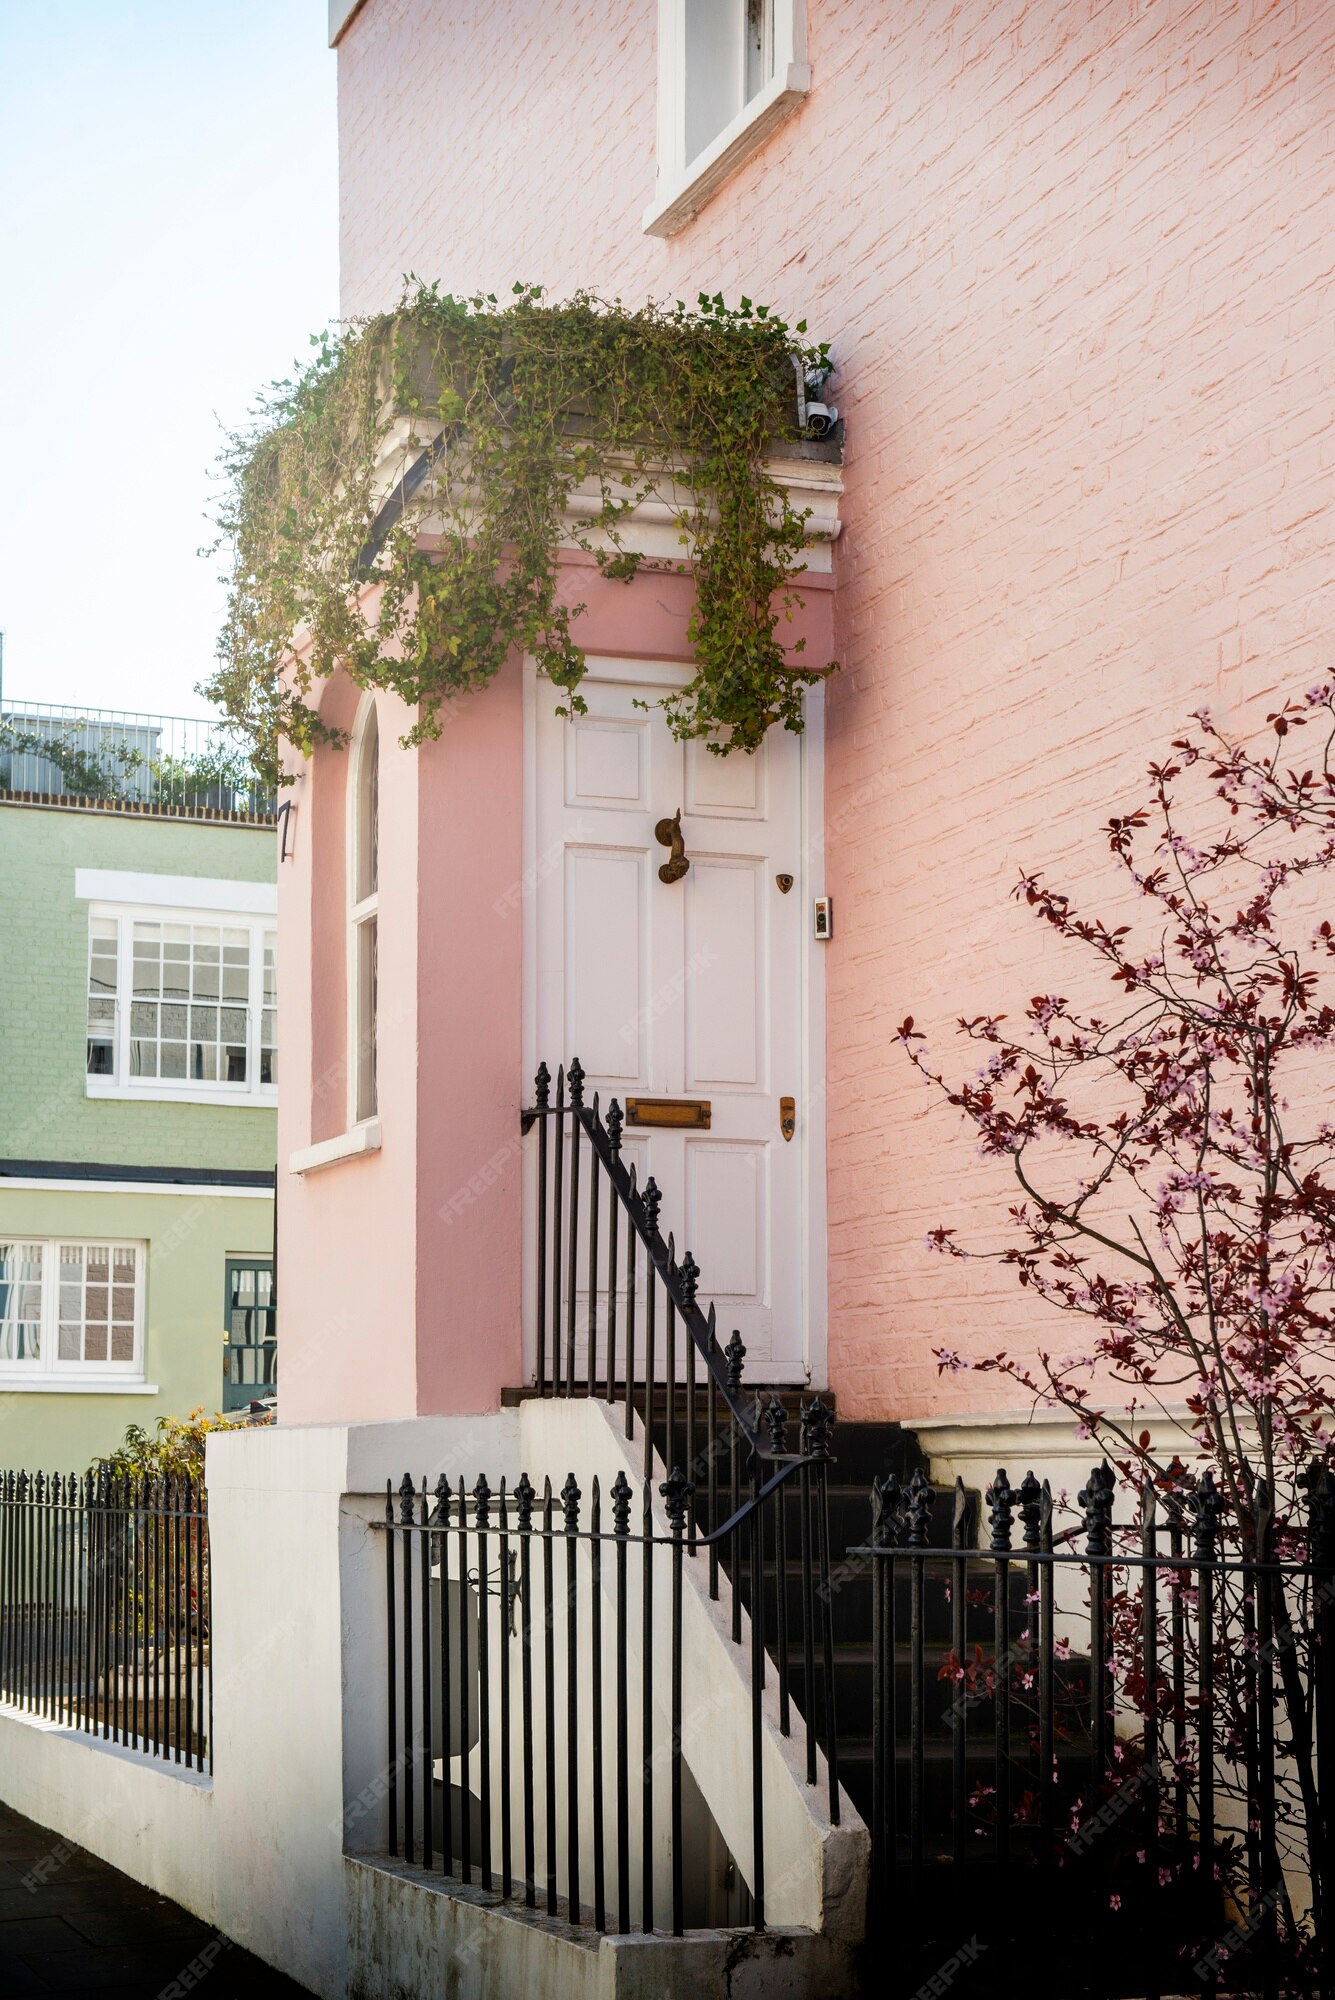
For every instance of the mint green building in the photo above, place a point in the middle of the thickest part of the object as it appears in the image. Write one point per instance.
(138, 1079)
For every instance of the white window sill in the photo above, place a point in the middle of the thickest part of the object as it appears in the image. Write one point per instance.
(363, 1138)
(80, 1385)
(182, 1093)
(686, 194)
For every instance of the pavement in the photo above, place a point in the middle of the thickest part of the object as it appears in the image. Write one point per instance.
(69, 1924)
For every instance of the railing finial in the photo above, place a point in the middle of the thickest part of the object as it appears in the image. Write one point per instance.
(734, 1354)
(621, 1499)
(817, 1425)
(1031, 1512)
(1096, 1497)
(1000, 1509)
(525, 1495)
(776, 1423)
(570, 1498)
(676, 1491)
(575, 1079)
(918, 1503)
(542, 1087)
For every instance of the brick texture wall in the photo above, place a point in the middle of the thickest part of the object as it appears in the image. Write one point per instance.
(1078, 265)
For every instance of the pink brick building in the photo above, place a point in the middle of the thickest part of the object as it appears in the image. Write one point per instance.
(1075, 266)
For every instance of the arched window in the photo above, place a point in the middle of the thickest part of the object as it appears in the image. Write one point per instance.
(363, 907)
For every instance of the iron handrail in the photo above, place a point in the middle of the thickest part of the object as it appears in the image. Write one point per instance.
(679, 1281)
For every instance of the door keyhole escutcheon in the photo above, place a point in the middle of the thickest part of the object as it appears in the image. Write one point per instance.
(787, 1116)
(668, 834)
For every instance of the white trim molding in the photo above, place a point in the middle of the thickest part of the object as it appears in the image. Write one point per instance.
(204, 1190)
(349, 1145)
(176, 892)
(10, 1385)
(684, 186)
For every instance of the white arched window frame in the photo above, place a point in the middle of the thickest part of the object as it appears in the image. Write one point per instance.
(363, 913)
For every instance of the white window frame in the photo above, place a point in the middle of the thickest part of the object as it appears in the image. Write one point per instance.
(363, 909)
(48, 1371)
(183, 1090)
(684, 186)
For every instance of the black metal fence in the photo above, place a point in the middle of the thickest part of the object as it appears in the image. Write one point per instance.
(540, 1693)
(1126, 1717)
(104, 1608)
(617, 1315)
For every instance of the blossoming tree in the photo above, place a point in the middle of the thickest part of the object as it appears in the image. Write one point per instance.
(1175, 1180)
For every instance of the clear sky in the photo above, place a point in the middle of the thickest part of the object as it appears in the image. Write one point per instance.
(168, 241)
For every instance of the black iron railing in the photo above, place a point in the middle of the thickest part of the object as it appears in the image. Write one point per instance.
(104, 1608)
(617, 1315)
(538, 1680)
(1135, 1723)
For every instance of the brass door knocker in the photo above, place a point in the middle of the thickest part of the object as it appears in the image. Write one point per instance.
(668, 834)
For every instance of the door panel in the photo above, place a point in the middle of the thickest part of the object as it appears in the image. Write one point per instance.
(604, 960)
(691, 988)
(727, 975)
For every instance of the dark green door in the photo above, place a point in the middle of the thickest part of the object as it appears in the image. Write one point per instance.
(250, 1344)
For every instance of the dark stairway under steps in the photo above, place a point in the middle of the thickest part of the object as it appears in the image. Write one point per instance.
(861, 1453)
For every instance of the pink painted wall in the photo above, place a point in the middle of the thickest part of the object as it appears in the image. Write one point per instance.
(1076, 262)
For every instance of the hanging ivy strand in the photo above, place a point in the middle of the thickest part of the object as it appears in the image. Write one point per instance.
(476, 421)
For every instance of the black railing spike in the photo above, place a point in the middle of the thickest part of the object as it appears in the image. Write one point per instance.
(672, 1252)
(575, 1079)
(570, 1498)
(1000, 1509)
(690, 1278)
(817, 1425)
(597, 1114)
(407, 1496)
(652, 1202)
(918, 1502)
(621, 1497)
(676, 1491)
(615, 1120)
(776, 1423)
(442, 1513)
(1096, 1498)
(525, 1495)
(542, 1087)
(961, 1515)
(1031, 1512)
(1206, 1505)
(482, 1502)
(709, 1322)
(560, 1086)
(885, 1511)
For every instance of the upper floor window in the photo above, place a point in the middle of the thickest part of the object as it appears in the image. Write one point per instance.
(70, 1309)
(182, 1006)
(729, 71)
(363, 914)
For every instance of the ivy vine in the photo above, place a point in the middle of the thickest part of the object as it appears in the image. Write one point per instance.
(514, 405)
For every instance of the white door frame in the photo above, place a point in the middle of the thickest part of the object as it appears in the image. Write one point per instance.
(814, 1262)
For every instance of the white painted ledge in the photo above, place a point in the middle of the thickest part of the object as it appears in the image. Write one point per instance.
(363, 1138)
(16, 1385)
(685, 197)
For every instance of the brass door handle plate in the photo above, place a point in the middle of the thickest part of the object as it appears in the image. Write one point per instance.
(679, 1111)
(668, 834)
(787, 1116)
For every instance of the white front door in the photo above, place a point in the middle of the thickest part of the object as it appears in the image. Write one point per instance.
(685, 990)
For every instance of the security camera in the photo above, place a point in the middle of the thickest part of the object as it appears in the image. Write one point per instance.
(821, 419)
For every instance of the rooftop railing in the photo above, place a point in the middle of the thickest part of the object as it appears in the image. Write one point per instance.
(122, 757)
